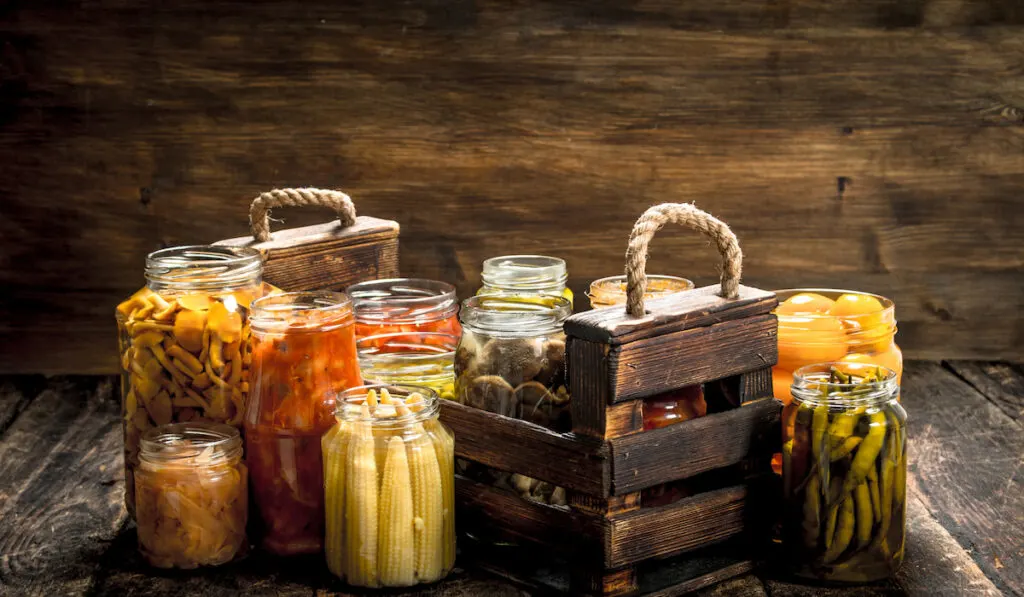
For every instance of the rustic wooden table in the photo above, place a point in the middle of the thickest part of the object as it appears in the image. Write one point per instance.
(63, 530)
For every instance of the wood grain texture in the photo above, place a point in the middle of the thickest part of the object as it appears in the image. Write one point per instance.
(573, 462)
(965, 458)
(692, 447)
(1001, 383)
(872, 145)
(660, 364)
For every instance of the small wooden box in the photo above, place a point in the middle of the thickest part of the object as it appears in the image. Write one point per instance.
(329, 256)
(611, 542)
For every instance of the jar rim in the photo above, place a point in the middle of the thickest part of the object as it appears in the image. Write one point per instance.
(524, 272)
(402, 300)
(178, 442)
(303, 310)
(349, 403)
(514, 314)
(204, 266)
(816, 384)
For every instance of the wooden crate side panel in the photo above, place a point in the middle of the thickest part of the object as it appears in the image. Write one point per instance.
(654, 365)
(567, 460)
(555, 528)
(686, 449)
(674, 313)
(589, 385)
(667, 530)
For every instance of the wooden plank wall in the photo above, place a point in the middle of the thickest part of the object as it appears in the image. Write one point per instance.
(867, 144)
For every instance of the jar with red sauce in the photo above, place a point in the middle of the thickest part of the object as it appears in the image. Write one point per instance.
(304, 355)
(404, 305)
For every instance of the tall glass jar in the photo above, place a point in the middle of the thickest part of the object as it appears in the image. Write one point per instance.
(671, 407)
(817, 326)
(420, 359)
(845, 473)
(526, 274)
(304, 354)
(390, 481)
(193, 495)
(407, 305)
(184, 342)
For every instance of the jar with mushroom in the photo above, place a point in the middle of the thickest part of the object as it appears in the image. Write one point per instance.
(304, 355)
(390, 486)
(184, 342)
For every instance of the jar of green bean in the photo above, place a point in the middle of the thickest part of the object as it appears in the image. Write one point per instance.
(844, 473)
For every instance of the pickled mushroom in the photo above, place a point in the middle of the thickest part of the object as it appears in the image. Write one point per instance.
(491, 393)
(514, 359)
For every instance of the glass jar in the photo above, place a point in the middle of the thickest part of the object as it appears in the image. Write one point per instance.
(390, 483)
(818, 326)
(304, 354)
(844, 473)
(611, 291)
(192, 495)
(526, 274)
(404, 305)
(511, 358)
(420, 359)
(671, 407)
(184, 342)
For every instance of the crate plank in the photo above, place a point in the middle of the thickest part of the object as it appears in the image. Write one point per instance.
(327, 256)
(692, 447)
(587, 364)
(684, 311)
(568, 460)
(672, 529)
(658, 364)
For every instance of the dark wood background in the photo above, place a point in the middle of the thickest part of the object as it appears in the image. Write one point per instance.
(867, 144)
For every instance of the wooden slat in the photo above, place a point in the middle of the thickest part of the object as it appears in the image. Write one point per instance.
(696, 308)
(327, 257)
(654, 365)
(570, 461)
(588, 375)
(692, 447)
(964, 459)
(1001, 383)
(675, 528)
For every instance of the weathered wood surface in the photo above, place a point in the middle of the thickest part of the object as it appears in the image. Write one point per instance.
(63, 529)
(858, 144)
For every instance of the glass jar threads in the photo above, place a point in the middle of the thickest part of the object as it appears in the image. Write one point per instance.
(421, 359)
(184, 342)
(526, 274)
(818, 326)
(845, 473)
(511, 358)
(404, 305)
(192, 495)
(611, 291)
(390, 485)
(304, 354)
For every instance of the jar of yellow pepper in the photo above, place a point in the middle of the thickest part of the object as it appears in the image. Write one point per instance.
(184, 342)
(389, 480)
(418, 358)
(524, 275)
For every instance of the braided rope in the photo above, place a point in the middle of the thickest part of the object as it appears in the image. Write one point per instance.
(259, 211)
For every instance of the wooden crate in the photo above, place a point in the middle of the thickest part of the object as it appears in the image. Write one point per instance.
(329, 256)
(616, 544)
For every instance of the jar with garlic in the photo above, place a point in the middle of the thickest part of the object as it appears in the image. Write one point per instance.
(184, 342)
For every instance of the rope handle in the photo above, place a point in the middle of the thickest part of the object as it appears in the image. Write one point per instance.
(684, 214)
(259, 211)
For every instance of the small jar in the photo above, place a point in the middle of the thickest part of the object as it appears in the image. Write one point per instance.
(304, 355)
(818, 326)
(845, 473)
(184, 342)
(192, 495)
(390, 484)
(419, 359)
(611, 291)
(671, 407)
(526, 274)
(404, 305)
(511, 358)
